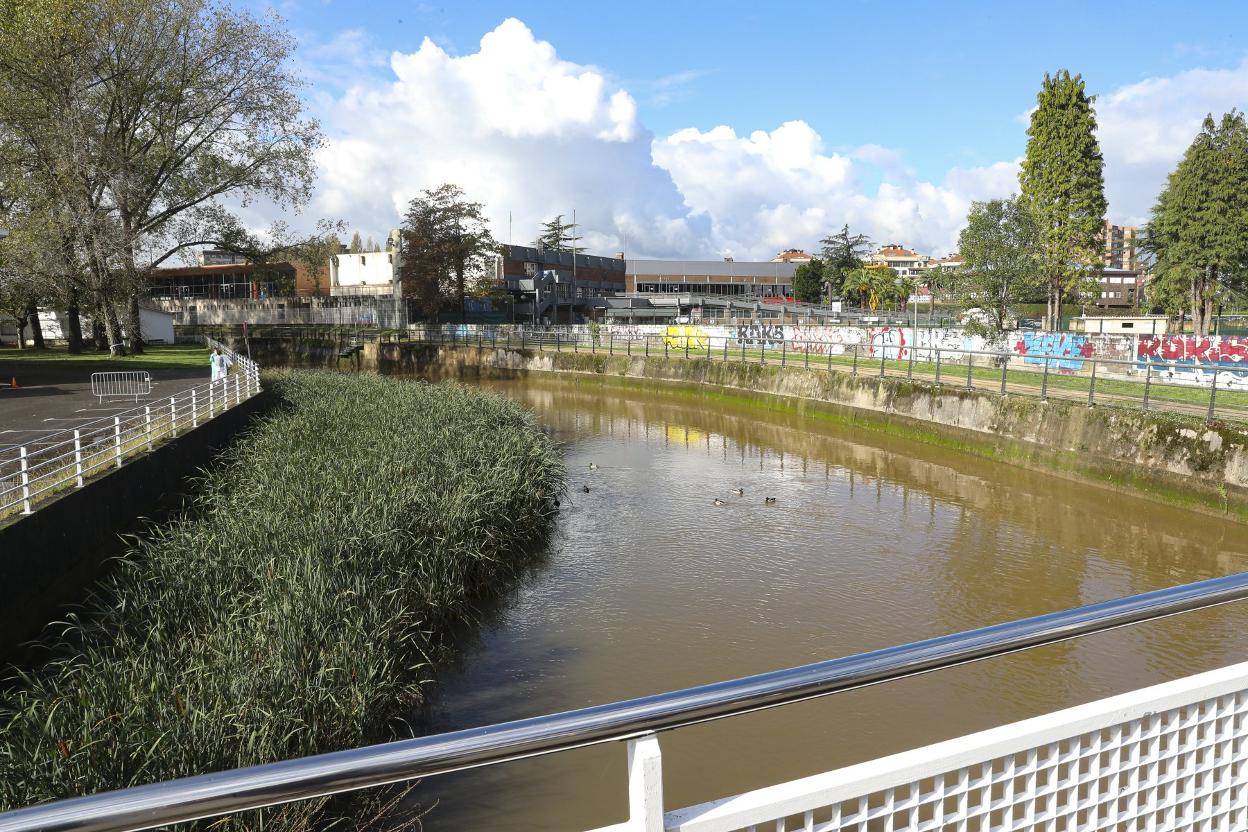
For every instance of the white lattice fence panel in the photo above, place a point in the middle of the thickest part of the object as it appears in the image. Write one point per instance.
(1170, 757)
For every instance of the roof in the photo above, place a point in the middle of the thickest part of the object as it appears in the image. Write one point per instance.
(182, 271)
(711, 268)
(791, 254)
(896, 251)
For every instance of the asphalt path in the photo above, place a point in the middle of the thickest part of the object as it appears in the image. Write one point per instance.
(51, 398)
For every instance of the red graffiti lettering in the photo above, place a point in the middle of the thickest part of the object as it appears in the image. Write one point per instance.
(1148, 346)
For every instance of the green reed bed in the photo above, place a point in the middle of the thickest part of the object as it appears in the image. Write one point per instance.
(294, 609)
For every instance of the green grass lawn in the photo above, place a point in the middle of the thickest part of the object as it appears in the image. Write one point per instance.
(154, 358)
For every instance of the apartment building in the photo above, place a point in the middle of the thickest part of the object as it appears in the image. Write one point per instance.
(793, 255)
(1121, 246)
(905, 262)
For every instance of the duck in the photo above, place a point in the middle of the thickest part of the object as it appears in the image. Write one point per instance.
(593, 466)
(717, 502)
(771, 501)
(585, 488)
(740, 492)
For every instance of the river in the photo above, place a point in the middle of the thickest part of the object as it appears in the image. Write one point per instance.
(872, 541)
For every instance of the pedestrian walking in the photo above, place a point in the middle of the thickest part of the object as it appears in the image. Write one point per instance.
(220, 363)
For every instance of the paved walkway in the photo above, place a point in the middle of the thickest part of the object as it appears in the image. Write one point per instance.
(52, 398)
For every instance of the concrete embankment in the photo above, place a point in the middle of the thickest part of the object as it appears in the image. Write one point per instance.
(1173, 458)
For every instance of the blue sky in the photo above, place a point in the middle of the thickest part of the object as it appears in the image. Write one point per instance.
(892, 97)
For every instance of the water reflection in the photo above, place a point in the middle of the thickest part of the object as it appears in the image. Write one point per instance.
(872, 541)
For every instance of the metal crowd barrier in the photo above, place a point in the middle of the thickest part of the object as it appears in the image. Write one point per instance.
(121, 384)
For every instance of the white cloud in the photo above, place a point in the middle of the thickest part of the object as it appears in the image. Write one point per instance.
(526, 132)
(1144, 128)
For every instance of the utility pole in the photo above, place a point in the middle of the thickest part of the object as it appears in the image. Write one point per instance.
(572, 305)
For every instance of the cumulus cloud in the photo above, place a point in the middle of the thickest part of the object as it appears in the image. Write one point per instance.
(526, 132)
(519, 129)
(1145, 127)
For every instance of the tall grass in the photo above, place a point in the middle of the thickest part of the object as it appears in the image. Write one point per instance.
(294, 608)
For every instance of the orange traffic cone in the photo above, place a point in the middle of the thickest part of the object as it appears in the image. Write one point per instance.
(13, 383)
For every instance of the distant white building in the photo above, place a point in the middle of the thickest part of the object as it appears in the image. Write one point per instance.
(367, 273)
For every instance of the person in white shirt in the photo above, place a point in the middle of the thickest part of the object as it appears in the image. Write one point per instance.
(220, 363)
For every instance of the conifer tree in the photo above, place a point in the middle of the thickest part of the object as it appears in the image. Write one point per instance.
(357, 244)
(1199, 226)
(1063, 184)
(557, 235)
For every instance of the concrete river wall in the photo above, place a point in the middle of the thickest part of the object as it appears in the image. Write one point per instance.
(1171, 457)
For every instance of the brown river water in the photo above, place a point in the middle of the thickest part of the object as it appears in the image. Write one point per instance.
(872, 541)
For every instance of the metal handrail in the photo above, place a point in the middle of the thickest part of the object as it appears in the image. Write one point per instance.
(209, 795)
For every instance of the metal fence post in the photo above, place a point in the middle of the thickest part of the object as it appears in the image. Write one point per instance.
(1148, 381)
(783, 351)
(593, 343)
(910, 366)
(665, 346)
(970, 364)
(883, 354)
(78, 459)
(855, 370)
(938, 365)
(1005, 370)
(173, 416)
(686, 345)
(1092, 385)
(117, 439)
(628, 346)
(1044, 381)
(25, 481)
(829, 358)
(558, 346)
(1213, 394)
(741, 341)
(806, 354)
(762, 357)
(194, 408)
(147, 424)
(610, 343)
(646, 338)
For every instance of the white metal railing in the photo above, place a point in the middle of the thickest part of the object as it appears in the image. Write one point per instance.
(1166, 757)
(121, 384)
(66, 459)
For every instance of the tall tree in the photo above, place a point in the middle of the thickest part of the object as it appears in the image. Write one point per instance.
(1198, 231)
(808, 281)
(557, 235)
(842, 253)
(138, 116)
(445, 241)
(357, 245)
(1000, 247)
(869, 285)
(1063, 183)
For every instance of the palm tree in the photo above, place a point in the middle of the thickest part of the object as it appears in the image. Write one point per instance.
(865, 284)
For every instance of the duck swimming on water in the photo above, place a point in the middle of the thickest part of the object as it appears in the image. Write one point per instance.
(771, 501)
(593, 467)
(740, 492)
(717, 502)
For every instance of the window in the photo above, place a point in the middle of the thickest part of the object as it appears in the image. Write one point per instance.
(1128, 324)
(363, 259)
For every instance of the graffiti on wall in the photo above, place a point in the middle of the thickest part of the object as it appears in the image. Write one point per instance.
(1196, 358)
(759, 335)
(1069, 348)
(686, 336)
